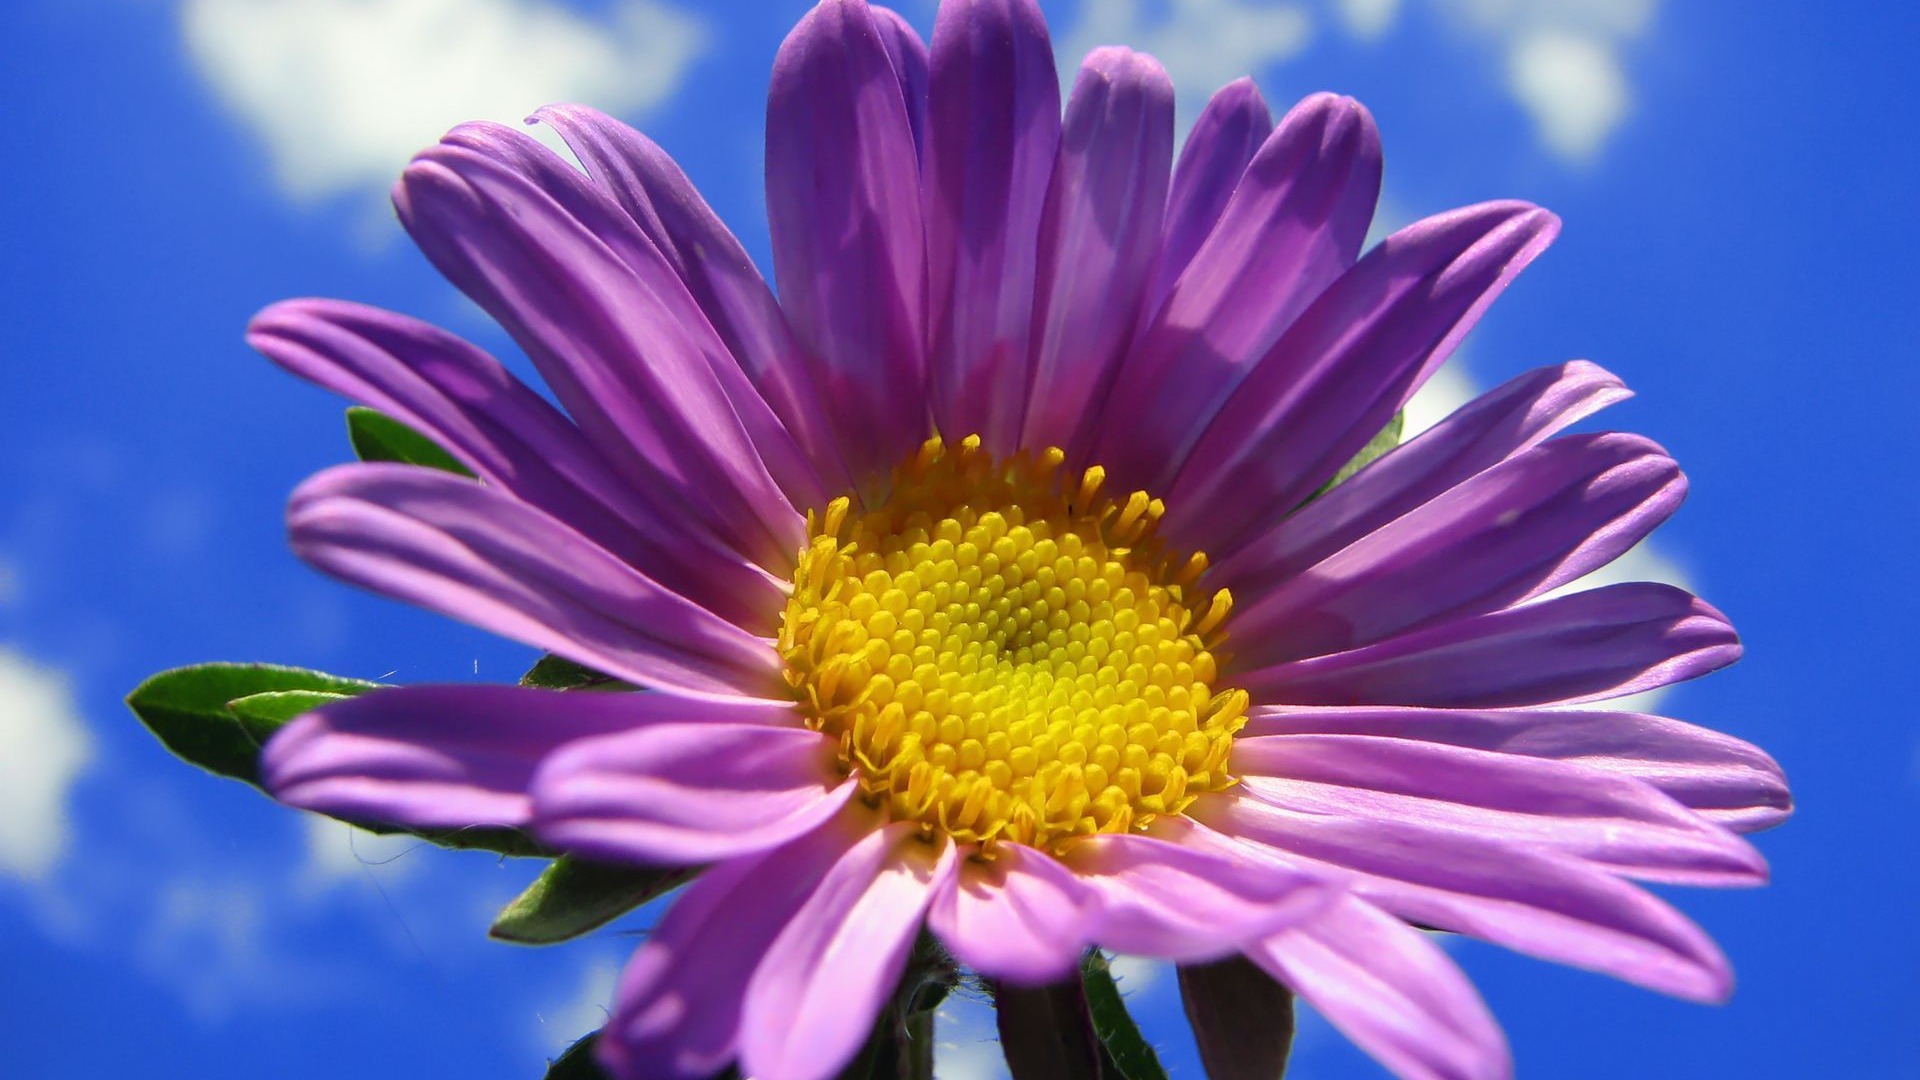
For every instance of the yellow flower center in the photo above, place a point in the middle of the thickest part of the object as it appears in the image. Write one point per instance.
(1006, 654)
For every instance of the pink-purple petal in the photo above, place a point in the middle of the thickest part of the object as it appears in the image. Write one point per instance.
(1391, 990)
(450, 545)
(688, 794)
(1588, 646)
(1155, 895)
(1533, 522)
(814, 997)
(993, 132)
(843, 202)
(1019, 916)
(911, 65)
(1726, 780)
(1535, 902)
(1491, 428)
(1228, 132)
(1609, 819)
(440, 756)
(1291, 228)
(1097, 240)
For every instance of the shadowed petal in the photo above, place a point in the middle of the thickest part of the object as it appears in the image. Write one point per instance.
(1338, 374)
(1097, 240)
(1611, 820)
(450, 545)
(813, 998)
(687, 794)
(1545, 905)
(1491, 428)
(910, 65)
(1293, 225)
(1588, 646)
(1229, 131)
(1726, 780)
(1391, 990)
(1533, 522)
(993, 127)
(1020, 917)
(843, 201)
(1157, 897)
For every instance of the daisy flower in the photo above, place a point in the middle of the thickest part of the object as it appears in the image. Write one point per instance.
(987, 581)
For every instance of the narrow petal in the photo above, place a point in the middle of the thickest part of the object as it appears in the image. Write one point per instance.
(1020, 917)
(994, 128)
(814, 997)
(1097, 239)
(1491, 428)
(507, 434)
(910, 65)
(1341, 371)
(450, 545)
(677, 1013)
(1229, 131)
(646, 183)
(1611, 820)
(1545, 905)
(843, 201)
(1391, 990)
(1588, 646)
(1158, 897)
(1726, 780)
(1536, 521)
(688, 794)
(1293, 226)
(609, 324)
(445, 756)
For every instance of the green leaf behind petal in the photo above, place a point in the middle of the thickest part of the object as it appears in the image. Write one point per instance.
(572, 897)
(1387, 439)
(578, 1062)
(188, 710)
(378, 437)
(1129, 1055)
(558, 673)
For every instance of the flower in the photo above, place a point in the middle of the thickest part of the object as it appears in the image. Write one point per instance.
(979, 583)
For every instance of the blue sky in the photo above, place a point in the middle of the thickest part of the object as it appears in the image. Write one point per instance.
(1737, 185)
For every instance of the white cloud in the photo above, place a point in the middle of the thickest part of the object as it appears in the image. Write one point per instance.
(343, 92)
(1204, 44)
(1136, 974)
(1368, 19)
(338, 853)
(44, 747)
(1573, 86)
(583, 1011)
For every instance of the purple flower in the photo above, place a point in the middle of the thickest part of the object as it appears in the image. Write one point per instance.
(978, 580)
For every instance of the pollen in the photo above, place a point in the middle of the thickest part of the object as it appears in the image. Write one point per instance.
(1005, 652)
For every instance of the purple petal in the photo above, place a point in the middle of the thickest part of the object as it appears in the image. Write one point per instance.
(843, 201)
(444, 756)
(677, 1013)
(910, 65)
(1545, 905)
(1533, 522)
(1097, 239)
(646, 183)
(688, 794)
(813, 999)
(994, 128)
(1490, 429)
(608, 323)
(1611, 820)
(450, 545)
(1020, 916)
(1291, 228)
(1391, 990)
(1158, 897)
(1589, 646)
(1224, 139)
(1344, 367)
(1726, 780)
(508, 434)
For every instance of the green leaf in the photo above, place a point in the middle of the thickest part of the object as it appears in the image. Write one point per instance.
(1128, 1052)
(1387, 439)
(267, 712)
(572, 897)
(187, 709)
(578, 1062)
(378, 437)
(1242, 1019)
(558, 673)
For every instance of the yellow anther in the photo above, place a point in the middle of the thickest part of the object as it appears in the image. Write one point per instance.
(1004, 652)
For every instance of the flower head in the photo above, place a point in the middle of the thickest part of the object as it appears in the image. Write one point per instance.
(984, 582)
